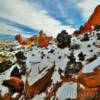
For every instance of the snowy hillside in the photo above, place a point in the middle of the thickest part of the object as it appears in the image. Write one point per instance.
(45, 77)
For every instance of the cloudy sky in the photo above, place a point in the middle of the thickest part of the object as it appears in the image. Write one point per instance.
(28, 17)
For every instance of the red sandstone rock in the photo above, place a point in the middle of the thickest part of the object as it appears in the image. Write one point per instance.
(21, 41)
(14, 83)
(92, 21)
(42, 40)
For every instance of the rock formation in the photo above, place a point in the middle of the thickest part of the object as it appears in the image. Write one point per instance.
(41, 40)
(21, 41)
(91, 23)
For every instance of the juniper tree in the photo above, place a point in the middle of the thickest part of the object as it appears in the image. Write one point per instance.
(97, 27)
(63, 39)
(21, 61)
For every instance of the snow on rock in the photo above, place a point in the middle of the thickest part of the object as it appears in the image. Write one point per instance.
(35, 76)
(40, 97)
(67, 90)
(88, 68)
(36, 63)
(56, 77)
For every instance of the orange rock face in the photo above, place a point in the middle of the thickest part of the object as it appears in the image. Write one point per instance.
(92, 21)
(15, 83)
(42, 40)
(91, 85)
(91, 80)
(19, 38)
(26, 42)
(89, 94)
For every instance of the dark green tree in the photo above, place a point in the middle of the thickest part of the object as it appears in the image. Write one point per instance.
(97, 27)
(98, 36)
(85, 38)
(81, 56)
(63, 39)
(21, 60)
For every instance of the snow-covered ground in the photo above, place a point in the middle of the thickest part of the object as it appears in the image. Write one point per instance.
(39, 60)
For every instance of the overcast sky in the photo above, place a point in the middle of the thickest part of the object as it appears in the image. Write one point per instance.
(28, 17)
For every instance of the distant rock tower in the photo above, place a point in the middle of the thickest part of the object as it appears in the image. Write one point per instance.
(19, 38)
(92, 21)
